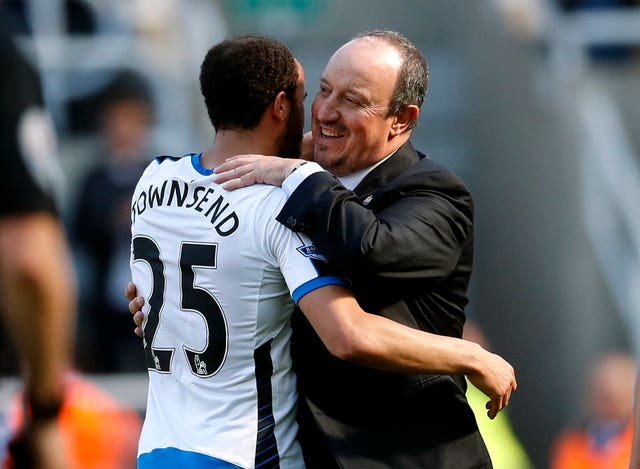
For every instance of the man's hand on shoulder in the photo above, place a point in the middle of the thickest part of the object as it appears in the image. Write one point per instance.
(245, 170)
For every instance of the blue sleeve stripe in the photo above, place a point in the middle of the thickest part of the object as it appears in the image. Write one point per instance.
(315, 284)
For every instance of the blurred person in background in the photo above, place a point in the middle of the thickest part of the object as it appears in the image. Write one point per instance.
(400, 228)
(502, 443)
(604, 440)
(101, 226)
(36, 284)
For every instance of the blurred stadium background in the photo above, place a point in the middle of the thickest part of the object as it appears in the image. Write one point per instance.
(534, 103)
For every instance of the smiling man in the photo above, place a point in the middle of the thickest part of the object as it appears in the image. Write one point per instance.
(400, 228)
(351, 111)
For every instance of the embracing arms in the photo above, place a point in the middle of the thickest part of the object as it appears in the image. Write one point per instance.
(351, 334)
(419, 225)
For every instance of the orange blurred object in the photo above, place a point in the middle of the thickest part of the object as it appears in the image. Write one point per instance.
(98, 432)
(576, 450)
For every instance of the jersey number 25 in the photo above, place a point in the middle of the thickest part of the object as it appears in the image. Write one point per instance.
(204, 363)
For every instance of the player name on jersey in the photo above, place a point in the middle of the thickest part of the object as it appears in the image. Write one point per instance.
(202, 199)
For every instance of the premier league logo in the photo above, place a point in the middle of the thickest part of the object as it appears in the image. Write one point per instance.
(312, 252)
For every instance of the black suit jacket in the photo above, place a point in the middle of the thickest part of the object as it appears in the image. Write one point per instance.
(404, 240)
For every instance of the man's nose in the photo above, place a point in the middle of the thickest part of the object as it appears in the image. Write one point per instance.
(328, 109)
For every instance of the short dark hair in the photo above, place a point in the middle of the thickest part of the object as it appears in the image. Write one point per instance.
(241, 76)
(413, 80)
(128, 85)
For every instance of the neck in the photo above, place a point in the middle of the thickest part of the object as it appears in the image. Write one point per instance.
(229, 143)
(397, 142)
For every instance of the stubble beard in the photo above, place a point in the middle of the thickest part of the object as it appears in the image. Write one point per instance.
(292, 139)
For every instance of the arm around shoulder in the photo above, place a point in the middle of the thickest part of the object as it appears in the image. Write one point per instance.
(421, 222)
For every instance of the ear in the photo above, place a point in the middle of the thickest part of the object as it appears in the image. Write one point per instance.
(280, 106)
(403, 120)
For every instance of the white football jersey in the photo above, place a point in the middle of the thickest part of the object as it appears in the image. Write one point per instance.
(218, 274)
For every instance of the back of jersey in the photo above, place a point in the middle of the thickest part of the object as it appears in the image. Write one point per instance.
(217, 273)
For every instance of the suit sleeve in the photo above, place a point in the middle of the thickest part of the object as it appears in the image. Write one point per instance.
(420, 224)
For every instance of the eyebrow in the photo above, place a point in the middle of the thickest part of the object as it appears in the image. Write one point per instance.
(350, 92)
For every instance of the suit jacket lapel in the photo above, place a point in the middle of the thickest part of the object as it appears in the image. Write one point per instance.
(403, 159)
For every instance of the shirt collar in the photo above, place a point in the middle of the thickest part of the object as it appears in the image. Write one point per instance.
(351, 181)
